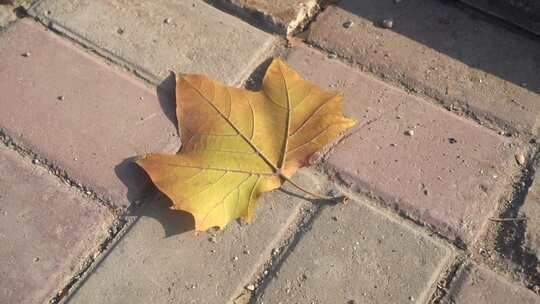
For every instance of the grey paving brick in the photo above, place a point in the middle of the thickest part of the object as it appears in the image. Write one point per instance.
(6, 15)
(46, 230)
(283, 16)
(475, 284)
(355, 254)
(156, 37)
(158, 261)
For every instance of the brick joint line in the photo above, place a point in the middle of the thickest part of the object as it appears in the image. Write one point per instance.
(59, 173)
(119, 223)
(462, 109)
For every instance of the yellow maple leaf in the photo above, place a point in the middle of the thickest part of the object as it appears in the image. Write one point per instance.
(237, 144)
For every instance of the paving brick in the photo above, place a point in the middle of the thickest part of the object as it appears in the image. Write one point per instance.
(524, 13)
(531, 210)
(479, 285)
(453, 55)
(448, 174)
(157, 262)
(197, 38)
(46, 230)
(353, 253)
(103, 117)
(6, 15)
(283, 16)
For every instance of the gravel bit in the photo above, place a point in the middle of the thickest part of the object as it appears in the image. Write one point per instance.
(348, 24)
(409, 132)
(520, 159)
(387, 23)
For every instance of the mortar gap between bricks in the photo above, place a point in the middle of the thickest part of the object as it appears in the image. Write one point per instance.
(116, 231)
(300, 225)
(279, 254)
(57, 172)
(391, 211)
(84, 44)
(505, 238)
(457, 108)
(445, 280)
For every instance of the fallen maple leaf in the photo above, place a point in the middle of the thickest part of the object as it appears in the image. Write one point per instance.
(237, 144)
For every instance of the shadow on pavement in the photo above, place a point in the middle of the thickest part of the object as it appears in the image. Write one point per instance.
(460, 32)
(165, 92)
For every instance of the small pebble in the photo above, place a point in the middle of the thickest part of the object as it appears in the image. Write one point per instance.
(35, 161)
(120, 30)
(212, 239)
(348, 24)
(332, 56)
(26, 54)
(250, 287)
(36, 259)
(387, 23)
(409, 132)
(167, 21)
(61, 97)
(520, 159)
(452, 140)
(235, 258)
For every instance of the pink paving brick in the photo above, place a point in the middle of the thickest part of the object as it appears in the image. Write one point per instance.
(444, 51)
(479, 285)
(448, 173)
(78, 112)
(46, 230)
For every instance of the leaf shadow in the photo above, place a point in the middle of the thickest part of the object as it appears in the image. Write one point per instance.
(315, 201)
(147, 200)
(166, 93)
(157, 206)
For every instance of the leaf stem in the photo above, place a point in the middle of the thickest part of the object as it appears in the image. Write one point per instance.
(320, 196)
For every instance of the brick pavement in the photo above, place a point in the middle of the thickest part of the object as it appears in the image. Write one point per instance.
(80, 100)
